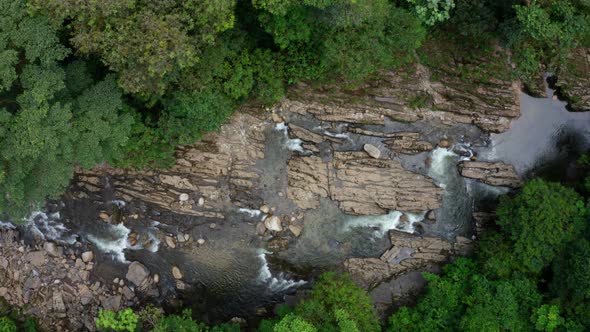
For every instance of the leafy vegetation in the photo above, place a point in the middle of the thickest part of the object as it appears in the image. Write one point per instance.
(531, 274)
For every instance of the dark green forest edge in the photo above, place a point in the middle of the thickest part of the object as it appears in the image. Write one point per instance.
(121, 83)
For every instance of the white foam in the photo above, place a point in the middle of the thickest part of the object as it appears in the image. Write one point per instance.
(292, 144)
(337, 135)
(275, 284)
(48, 227)
(250, 212)
(119, 203)
(385, 222)
(115, 245)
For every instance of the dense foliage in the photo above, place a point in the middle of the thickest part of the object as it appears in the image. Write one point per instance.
(123, 82)
(530, 275)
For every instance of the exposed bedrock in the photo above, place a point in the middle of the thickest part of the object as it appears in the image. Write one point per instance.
(408, 252)
(573, 80)
(417, 93)
(492, 173)
(360, 184)
(207, 176)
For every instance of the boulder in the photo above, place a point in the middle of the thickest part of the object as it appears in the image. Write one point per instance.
(372, 150)
(36, 258)
(170, 242)
(273, 223)
(51, 249)
(137, 273)
(183, 197)
(176, 272)
(87, 256)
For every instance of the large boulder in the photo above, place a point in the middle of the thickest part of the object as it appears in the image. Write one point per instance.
(137, 273)
(273, 223)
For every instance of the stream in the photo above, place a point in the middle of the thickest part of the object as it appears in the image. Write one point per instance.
(233, 275)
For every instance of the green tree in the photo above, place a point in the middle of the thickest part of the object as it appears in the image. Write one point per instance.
(432, 12)
(541, 220)
(547, 318)
(336, 301)
(7, 325)
(125, 320)
(292, 322)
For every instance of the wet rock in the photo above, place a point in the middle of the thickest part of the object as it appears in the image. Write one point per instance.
(36, 258)
(296, 229)
(176, 273)
(87, 256)
(137, 273)
(372, 151)
(170, 242)
(156, 278)
(183, 197)
(492, 173)
(408, 143)
(278, 244)
(260, 228)
(265, 209)
(132, 239)
(273, 223)
(51, 249)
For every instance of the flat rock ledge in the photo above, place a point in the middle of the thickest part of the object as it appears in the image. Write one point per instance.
(573, 80)
(408, 252)
(492, 173)
(360, 184)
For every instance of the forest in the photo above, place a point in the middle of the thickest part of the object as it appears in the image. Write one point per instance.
(122, 83)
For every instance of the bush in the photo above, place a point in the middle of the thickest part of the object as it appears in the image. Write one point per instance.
(125, 320)
(7, 325)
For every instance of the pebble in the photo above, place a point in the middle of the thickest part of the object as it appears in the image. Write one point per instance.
(264, 209)
(156, 278)
(212, 225)
(201, 201)
(116, 281)
(176, 273)
(183, 197)
(87, 256)
(201, 242)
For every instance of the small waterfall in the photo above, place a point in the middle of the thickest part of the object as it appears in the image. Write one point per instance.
(49, 227)
(442, 160)
(275, 284)
(386, 222)
(115, 242)
(292, 144)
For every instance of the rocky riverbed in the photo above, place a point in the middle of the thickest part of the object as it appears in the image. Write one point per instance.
(381, 182)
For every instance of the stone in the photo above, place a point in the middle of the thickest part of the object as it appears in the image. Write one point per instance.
(183, 197)
(180, 237)
(492, 173)
(431, 215)
(180, 285)
(201, 242)
(116, 281)
(278, 244)
(444, 143)
(156, 278)
(79, 264)
(273, 223)
(176, 272)
(201, 201)
(296, 229)
(277, 118)
(84, 275)
(137, 273)
(51, 249)
(57, 302)
(265, 209)
(407, 143)
(187, 237)
(127, 293)
(260, 228)
(36, 258)
(372, 151)
(170, 242)
(111, 302)
(87, 256)
(104, 216)
(212, 225)
(3, 291)
(85, 295)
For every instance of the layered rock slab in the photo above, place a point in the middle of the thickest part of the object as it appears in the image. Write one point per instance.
(492, 173)
(573, 80)
(360, 184)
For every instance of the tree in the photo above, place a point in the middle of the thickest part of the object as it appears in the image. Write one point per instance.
(292, 322)
(541, 220)
(432, 12)
(125, 320)
(337, 302)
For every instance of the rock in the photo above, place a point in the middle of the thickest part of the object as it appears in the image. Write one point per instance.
(278, 244)
(104, 216)
(3, 291)
(58, 302)
(137, 273)
(431, 215)
(201, 201)
(260, 228)
(79, 264)
(183, 197)
(156, 278)
(180, 285)
(180, 237)
(492, 173)
(127, 293)
(36, 258)
(265, 209)
(170, 242)
(372, 150)
(296, 229)
(111, 302)
(212, 225)
(51, 249)
(84, 275)
(238, 320)
(116, 281)
(273, 223)
(408, 143)
(176, 273)
(277, 118)
(444, 143)
(87, 256)
(121, 282)
(201, 242)
(85, 295)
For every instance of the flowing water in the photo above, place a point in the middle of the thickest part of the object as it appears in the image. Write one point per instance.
(232, 274)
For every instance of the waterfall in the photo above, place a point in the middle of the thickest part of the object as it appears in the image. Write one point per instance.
(386, 222)
(292, 144)
(115, 243)
(275, 284)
